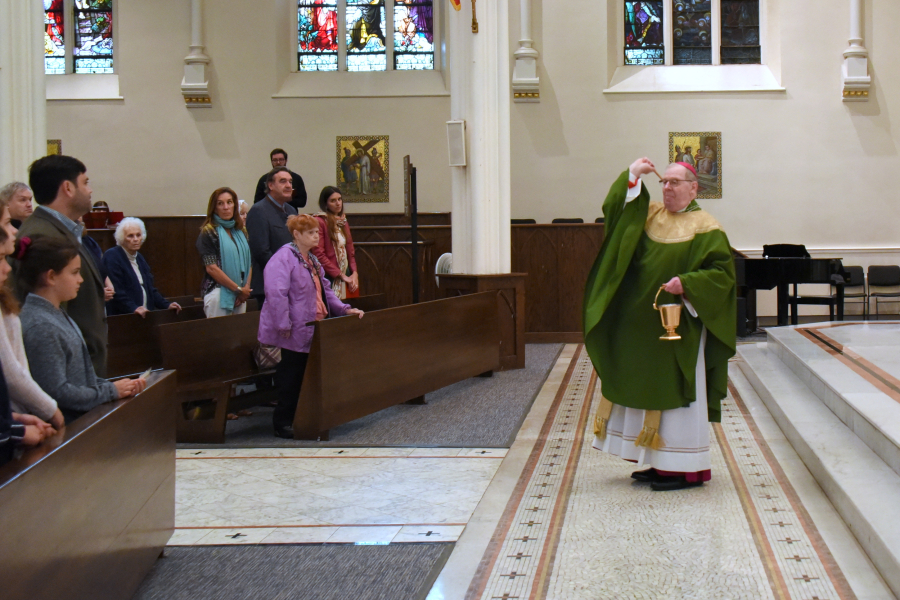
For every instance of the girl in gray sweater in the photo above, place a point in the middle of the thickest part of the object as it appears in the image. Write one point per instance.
(60, 363)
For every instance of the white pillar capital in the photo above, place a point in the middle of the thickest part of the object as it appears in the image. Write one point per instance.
(855, 68)
(526, 84)
(195, 85)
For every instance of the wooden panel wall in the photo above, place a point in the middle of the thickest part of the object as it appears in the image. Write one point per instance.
(170, 251)
(557, 259)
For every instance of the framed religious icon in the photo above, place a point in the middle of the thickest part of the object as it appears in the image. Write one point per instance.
(54, 147)
(703, 151)
(362, 168)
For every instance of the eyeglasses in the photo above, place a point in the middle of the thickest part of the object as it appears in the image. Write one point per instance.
(672, 182)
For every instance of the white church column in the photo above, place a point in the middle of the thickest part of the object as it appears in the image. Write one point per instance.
(525, 82)
(195, 85)
(23, 96)
(855, 70)
(480, 96)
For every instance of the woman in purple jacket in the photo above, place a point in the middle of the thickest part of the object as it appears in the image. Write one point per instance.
(297, 293)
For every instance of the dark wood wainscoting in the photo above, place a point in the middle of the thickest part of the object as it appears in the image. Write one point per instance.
(170, 250)
(557, 258)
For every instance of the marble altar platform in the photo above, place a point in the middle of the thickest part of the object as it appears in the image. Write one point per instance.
(834, 390)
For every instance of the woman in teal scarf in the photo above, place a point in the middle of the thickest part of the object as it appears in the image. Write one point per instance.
(223, 247)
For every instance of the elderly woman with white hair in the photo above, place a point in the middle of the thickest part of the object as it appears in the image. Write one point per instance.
(130, 273)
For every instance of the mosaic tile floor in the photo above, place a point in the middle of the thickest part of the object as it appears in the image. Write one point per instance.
(579, 527)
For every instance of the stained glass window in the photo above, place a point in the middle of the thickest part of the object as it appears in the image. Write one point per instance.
(413, 34)
(691, 32)
(93, 48)
(644, 32)
(318, 35)
(366, 49)
(740, 32)
(54, 41)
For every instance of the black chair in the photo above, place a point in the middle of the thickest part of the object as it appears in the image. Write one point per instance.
(855, 289)
(599, 220)
(886, 278)
(523, 221)
(558, 221)
(800, 251)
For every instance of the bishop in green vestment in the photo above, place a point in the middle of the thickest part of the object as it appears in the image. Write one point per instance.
(658, 396)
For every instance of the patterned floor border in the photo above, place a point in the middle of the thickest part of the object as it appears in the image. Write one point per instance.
(797, 561)
(519, 556)
(518, 562)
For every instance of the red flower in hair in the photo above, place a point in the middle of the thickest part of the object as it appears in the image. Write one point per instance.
(22, 247)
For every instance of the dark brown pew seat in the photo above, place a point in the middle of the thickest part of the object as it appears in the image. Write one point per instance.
(85, 515)
(211, 356)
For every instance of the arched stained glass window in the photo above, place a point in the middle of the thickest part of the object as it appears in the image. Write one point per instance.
(644, 32)
(78, 36)
(413, 34)
(691, 32)
(366, 45)
(703, 32)
(740, 32)
(365, 35)
(54, 37)
(317, 31)
(93, 44)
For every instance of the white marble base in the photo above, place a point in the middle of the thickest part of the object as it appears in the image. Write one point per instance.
(849, 391)
(860, 485)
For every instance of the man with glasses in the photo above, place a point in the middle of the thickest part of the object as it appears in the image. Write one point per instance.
(659, 396)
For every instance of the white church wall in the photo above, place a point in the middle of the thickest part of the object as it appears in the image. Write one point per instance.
(799, 166)
(147, 154)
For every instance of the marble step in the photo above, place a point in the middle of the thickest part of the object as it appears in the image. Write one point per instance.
(847, 390)
(861, 486)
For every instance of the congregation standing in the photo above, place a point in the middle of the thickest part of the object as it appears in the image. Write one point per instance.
(57, 288)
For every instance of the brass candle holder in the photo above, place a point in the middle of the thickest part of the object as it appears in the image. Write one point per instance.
(670, 315)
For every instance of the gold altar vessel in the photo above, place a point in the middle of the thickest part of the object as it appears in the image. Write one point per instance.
(670, 315)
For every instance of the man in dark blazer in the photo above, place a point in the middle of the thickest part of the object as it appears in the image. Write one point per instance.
(61, 190)
(298, 193)
(267, 226)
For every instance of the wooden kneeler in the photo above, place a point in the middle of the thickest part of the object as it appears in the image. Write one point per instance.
(211, 356)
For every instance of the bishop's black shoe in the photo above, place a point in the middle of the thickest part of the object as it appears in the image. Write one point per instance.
(670, 484)
(284, 431)
(645, 476)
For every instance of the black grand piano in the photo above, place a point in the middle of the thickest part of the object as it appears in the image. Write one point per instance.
(781, 272)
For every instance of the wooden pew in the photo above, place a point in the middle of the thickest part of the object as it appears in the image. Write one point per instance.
(210, 355)
(368, 303)
(133, 343)
(359, 366)
(86, 514)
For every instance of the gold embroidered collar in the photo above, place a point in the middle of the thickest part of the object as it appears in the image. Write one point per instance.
(665, 227)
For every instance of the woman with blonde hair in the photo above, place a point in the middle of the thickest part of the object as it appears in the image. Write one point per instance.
(335, 250)
(297, 293)
(225, 252)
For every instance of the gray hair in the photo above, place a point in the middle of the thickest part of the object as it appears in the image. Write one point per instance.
(125, 224)
(11, 189)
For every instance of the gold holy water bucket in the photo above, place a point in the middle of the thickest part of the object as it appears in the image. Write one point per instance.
(670, 315)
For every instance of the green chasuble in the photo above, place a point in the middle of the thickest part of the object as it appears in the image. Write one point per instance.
(644, 247)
